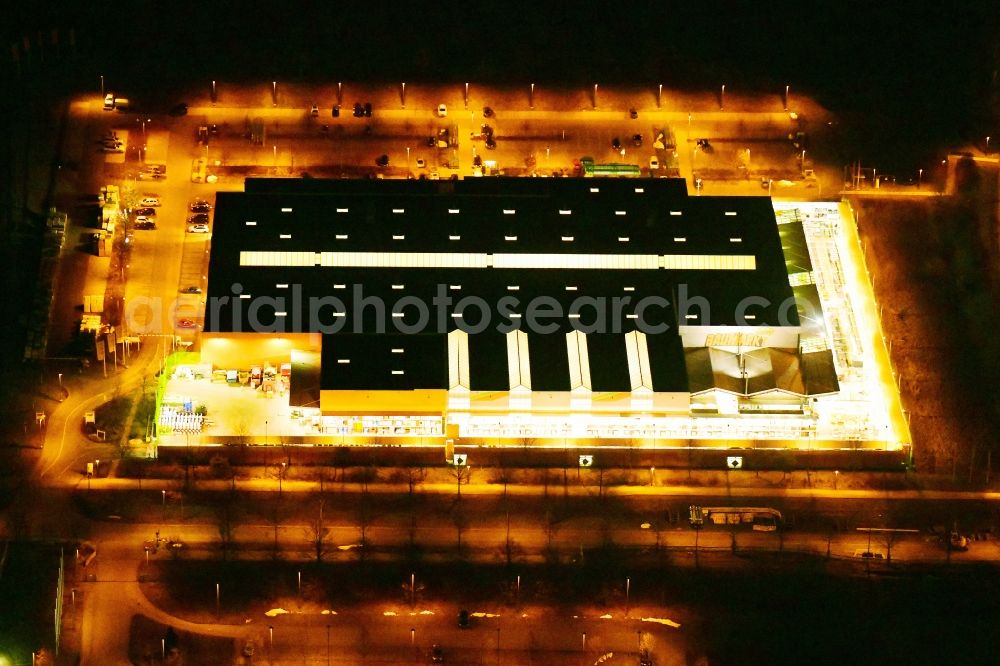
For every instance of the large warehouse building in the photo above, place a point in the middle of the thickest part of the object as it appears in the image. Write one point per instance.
(531, 307)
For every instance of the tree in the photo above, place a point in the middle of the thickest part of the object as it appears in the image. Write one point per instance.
(317, 533)
(226, 521)
(461, 474)
(414, 477)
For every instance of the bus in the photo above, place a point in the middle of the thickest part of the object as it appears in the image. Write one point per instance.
(590, 170)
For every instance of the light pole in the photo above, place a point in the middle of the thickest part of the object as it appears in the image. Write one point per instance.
(412, 581)
(217, 600)
(585, 643)
(402, 95)
(466, 95)
(531, 96)
(987, 145)
(163, 650)
(722, 98)
(786, 97)
(920, 179)
(408, 158)
(274, 93)
(628, 589)
(270, 644)
(595, 96)
(659, 95)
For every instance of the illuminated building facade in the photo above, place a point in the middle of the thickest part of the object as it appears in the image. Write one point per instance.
(549, 308)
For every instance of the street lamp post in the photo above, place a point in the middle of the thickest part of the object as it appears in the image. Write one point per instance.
(659, 95)
(402, 94)
(531, 96)
(270, 644)
(217, 600)
(466, 95)
(628, 589)
(412, 581)
(595, 96)
(920, 178)
(786, 97)
(408, 158)
(722, 97)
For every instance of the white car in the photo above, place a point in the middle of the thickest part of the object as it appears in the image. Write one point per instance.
(197, 228)
(421, 163)
(654, 164)
(442, 111)
(144, 220)
(150, 202)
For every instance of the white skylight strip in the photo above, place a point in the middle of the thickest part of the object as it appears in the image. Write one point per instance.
(620, 212)
(341, 237)
(639, 190)
(286, 210)
(567, 239)
(510, 238)
(405, 259)
(676, 212)
(284, 236)
(398, 286)
(343, 361)
(577, 261)
(397, 350)
(398, 237)
(342, 210)
(499, 260)
(397, 372)
(730, 213)
(623, 239)
(735, 240)
(398, 211)
(709, 262)
(565, 211)
(454, 237)
(453, 211)
(281, 285)
(595, 189)
(509, 211)
(251, 223)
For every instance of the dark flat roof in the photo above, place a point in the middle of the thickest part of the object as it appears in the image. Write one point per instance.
(485, 217)
(467, 216)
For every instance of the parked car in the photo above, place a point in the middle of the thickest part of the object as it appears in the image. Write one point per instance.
(145, 224)
(191, 290)
(442, 111)
(200, 206)
(197, 228)
(185, 323)
(198, 218)
(145, 212)
(149, 201)
(654, 164)
(143, 219)
(421, 163)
